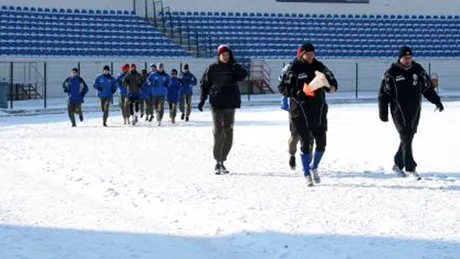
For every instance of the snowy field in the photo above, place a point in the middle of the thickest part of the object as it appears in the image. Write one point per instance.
(150, 192)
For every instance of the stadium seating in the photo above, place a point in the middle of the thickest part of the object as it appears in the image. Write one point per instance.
(277, 35)
(29, 31)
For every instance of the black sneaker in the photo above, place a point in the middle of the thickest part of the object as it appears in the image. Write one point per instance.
(74, 125)
(104, 124)
(81, 117)
(151, 118)
(182, 116)
(292, 162)
(218, 168)
(224, 170)
(186, 118)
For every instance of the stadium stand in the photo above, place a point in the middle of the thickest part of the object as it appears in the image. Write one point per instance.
(29, 31)
(276, 35)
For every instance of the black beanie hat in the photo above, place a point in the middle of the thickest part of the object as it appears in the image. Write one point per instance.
(106, 68)
(75, 69)
(173, 71)
(186, 67)
(404, 51)
(306, 47)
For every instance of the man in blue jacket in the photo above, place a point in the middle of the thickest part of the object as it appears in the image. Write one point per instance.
(76, 89)
(174, 88)
(105, 86)
(123, 92)
(188, 81)
(159, 82)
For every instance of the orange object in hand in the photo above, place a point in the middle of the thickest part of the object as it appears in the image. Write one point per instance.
(307, 90)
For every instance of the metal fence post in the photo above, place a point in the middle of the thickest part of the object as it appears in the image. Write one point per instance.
(44, 85)
(11, 85)
(357, 81)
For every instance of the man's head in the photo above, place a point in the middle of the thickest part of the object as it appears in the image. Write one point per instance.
(132, 67)
(306, 52)
(125, 68)
(153, 67)
(161, 67)
(74, 71)
(186, 68)
(224, 53)
(174, 72)
(144, 72)
(405, 56)
(106, 70)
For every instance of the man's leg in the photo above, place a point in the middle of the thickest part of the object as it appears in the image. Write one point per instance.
(78, 110)
(218, 133)
(188, 100)
(406, 148)
(162, 106)
(105, 108)
(228, 123)
(71, 113)
(182, 105)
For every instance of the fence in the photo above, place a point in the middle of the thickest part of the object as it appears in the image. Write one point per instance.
(40, 81)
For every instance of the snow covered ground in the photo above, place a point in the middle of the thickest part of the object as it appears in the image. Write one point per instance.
(149, 192)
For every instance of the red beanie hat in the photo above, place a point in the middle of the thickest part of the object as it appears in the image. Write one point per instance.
(125, 67)
(222, 49)
(132, 65)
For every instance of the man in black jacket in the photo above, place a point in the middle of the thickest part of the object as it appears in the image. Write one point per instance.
(133, 82)
(308, 110)
(403, 85)
(220, 82)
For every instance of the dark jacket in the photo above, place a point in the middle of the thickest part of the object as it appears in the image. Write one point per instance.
(220, 82)
(308, 113)
(402, 88)
(133, 82)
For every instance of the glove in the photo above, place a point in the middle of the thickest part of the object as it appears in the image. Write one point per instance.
(65, 90)
(99, 88)
(440, 107)
(200, 106)
(384, 117)
(114, 90)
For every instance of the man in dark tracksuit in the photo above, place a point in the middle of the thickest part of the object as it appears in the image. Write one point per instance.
(133, 82)
(308, 113)
(220, 82)
(76, 89)
(294, 139)
(403, 85)
(105, 86)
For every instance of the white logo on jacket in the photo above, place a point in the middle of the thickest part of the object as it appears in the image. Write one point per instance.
(303, 76)
(400, 78)
(415, 77)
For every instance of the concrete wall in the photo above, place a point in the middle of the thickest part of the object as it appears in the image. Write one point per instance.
(374, 7)
(80, 4)
(369, 71)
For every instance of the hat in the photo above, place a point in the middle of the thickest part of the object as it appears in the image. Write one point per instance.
(173, 71)
(132, 65)
(106, 68)
(305, 47)
(75, 70)
(160, 65)
(404, 51)
(186, 67)
(153, 65)
(223, 48)
(125, 67)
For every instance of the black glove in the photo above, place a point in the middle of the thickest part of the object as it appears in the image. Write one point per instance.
(200, 106)
(99, 88)
(383, 116)
(440, 107)
(65, 90)
(114, 90)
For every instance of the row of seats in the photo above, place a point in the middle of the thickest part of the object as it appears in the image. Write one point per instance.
(19, 9)
(52, 32)
(314, 16)
(375, 35)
